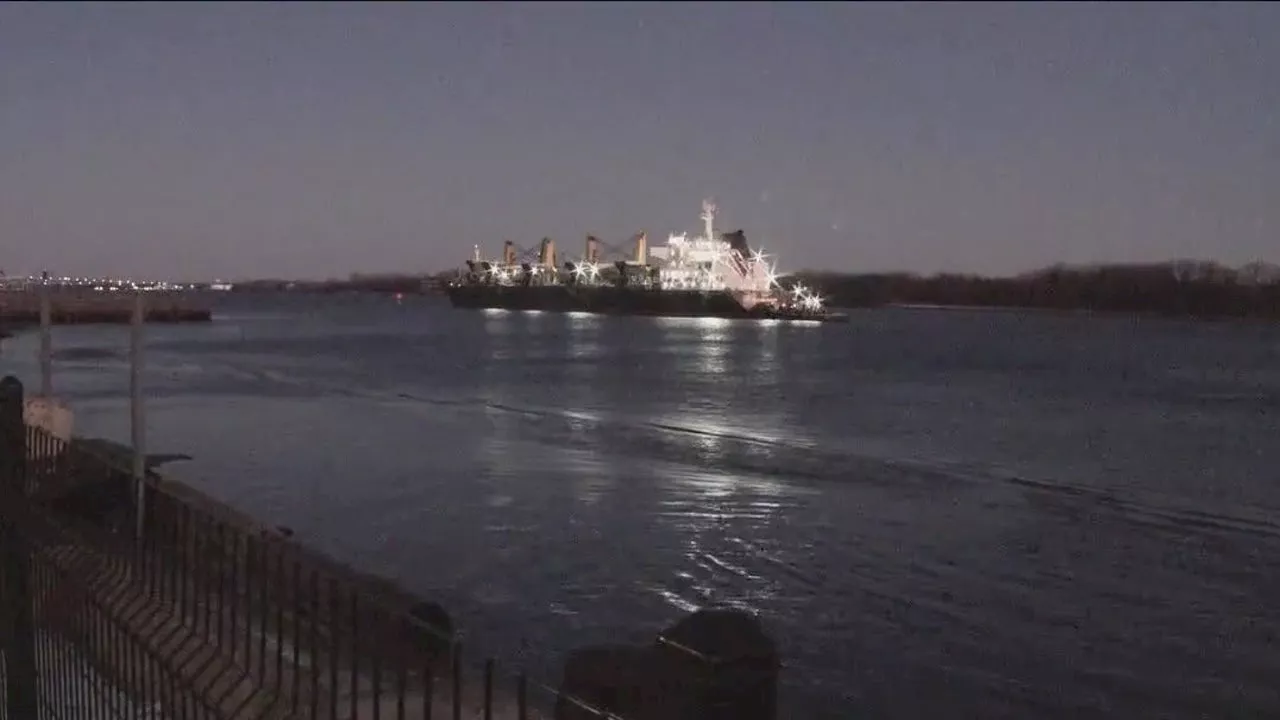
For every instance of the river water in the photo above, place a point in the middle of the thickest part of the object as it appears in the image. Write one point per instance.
(936, 513)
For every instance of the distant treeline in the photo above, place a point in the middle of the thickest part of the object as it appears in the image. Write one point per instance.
(403, 284)
(1159, 289)
(1179, 289)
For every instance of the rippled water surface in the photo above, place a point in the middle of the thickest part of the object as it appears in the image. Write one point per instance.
(937, 513)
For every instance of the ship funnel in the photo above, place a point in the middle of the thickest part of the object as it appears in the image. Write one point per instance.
(547, 254)
(642, 248)
(593, 249)
(737, 241)
(508, 253)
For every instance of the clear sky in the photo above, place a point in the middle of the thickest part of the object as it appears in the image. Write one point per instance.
(201, 140)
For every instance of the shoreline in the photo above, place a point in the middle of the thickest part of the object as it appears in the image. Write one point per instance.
(1087, 312)
(22, 309)
(687, 648)
(105, 316)
(12, 329)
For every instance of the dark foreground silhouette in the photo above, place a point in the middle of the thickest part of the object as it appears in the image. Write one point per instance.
(715, 664)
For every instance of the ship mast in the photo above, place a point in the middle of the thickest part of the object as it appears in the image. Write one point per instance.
(709, 218)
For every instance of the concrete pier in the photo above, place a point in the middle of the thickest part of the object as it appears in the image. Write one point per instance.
(80, 306)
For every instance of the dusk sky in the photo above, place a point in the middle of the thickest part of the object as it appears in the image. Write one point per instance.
(199, 141)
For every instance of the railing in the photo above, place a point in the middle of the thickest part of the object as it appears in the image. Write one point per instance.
(205, 614)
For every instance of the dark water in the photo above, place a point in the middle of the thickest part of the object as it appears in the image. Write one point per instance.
(938, 514)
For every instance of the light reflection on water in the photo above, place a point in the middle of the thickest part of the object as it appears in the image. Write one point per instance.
(594, 476)
(584, 343)
(706, 339)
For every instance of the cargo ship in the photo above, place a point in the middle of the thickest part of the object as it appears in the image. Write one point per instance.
(708, 275)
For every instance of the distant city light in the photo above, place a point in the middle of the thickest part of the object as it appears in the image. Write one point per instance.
(102, 284)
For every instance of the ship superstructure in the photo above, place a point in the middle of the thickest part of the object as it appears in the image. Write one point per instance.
(711, 273)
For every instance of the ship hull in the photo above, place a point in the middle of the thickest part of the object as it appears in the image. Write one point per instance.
(612, 300)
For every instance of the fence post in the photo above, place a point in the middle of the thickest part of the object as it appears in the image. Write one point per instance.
(21, 692)
(46, 339)
(137, 426)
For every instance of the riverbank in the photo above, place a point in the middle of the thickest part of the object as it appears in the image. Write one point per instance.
(297, 603)
(1161, 289)
(20, 309)
(10, 329)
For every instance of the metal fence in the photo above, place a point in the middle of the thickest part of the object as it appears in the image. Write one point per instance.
(195, 612)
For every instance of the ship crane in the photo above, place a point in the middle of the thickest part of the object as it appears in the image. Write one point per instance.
(614, 251)
(514, 265)
(524, 255)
